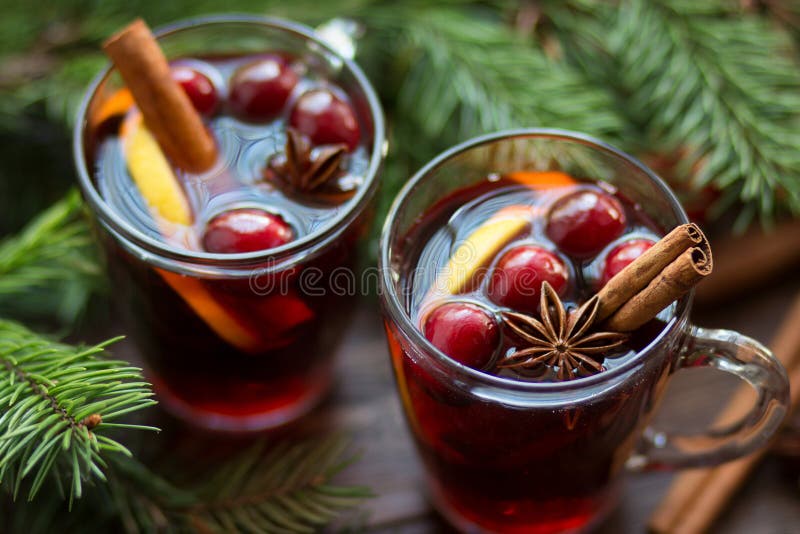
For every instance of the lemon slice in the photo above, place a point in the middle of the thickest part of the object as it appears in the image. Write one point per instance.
(463, 270)
(152, 173)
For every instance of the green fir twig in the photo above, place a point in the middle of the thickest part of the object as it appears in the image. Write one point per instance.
(50, 268)
(59, 402)
(718, 87)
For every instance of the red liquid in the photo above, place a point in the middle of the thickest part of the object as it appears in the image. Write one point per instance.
(236, 352)
(502, 466)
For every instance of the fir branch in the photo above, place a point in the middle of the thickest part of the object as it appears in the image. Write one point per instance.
(458, 74)
(702, 79)
(58, 402)
(51, 266)
(283, 487)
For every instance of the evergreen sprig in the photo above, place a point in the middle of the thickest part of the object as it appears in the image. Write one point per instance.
(51, 266)
(705, 80)
(280, 488)
(454, 74)
(283, 488)
(58, 404)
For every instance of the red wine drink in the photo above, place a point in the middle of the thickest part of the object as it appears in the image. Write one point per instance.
(223, 276)
(523, 427)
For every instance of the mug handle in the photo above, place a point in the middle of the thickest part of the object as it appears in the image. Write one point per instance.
(745, 358)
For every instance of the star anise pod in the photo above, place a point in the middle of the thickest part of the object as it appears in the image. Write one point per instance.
(303, 168)
(560, 340)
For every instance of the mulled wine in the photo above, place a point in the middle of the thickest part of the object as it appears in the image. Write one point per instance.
(534, 313)
(486, 249)
(222, 275)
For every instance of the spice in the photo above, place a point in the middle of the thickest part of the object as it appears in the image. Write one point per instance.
(560, 340)
(662, 274)
(167, 110)
(302, 168)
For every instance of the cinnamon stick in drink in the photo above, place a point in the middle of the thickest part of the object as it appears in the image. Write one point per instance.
(676, 279)
(636, 276)
(167, 110)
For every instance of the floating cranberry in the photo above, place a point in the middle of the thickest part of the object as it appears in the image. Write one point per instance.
(583, 222)
(259, 90)
(516, 281)
(465, 332)
(621, 256)
(198, 87)
(246, 230)
(326, 119)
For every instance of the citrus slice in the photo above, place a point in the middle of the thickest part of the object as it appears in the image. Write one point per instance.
(152, 173)
(117, 104)
(158, 185)
(463, 269)
(209, 310)
(542, 179)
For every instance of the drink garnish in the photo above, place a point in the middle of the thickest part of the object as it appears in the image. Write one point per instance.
(303, 169)
(478, 249)
(152, 173)
(560, 341)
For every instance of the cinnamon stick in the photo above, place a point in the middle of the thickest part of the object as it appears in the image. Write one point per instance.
(636, 276)
(697, 497)
(166, 108)
(677, 278)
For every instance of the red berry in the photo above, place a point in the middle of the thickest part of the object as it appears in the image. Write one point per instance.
(259, 90)
(516, 281)
(465, 332)
(326, 119)
(198, 87)
(621, 256)
(246, 230)
(583, 222)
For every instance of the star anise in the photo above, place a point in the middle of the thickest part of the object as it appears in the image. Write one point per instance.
(560, 340)
(303, 168)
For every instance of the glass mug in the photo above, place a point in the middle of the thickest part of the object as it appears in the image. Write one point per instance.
(509, 456)
(197, 374)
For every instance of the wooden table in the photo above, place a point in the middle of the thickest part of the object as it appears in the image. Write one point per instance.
(366, 404)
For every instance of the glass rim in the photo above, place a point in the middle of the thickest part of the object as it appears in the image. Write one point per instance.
(131, 235)
(397, 313)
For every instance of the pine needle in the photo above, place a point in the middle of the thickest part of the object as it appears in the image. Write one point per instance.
(50, 268)
(45, 388)
(457, 74)
(704, 80)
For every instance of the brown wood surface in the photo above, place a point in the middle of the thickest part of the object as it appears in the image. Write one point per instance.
(365, 405)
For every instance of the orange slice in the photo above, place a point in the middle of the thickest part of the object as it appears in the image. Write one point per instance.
(117, 104)
(158, 185)
(209, 310)
(542, 179)
(478, 249)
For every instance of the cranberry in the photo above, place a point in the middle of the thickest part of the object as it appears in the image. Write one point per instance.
(259, 90)
(326, 119)
(621, 256)
(465, 332)
(198, 87)
(246, 230)
(583, 222)
(516, 282)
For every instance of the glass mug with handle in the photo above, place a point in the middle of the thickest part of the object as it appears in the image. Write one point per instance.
(504, 454)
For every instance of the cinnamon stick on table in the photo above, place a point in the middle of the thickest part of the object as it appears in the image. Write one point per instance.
(696, 498)
(167, 110)
(669, 269)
